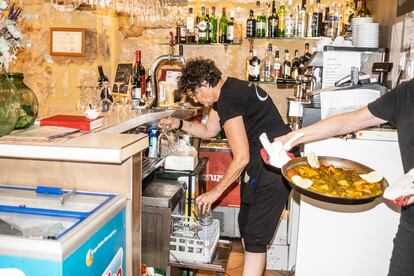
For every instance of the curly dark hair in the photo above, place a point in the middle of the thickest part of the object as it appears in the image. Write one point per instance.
(195, 72)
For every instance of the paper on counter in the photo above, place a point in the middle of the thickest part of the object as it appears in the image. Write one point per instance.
(337, 65)
(336, 102)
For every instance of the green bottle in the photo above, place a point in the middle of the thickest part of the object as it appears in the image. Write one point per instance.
(213, 25)
(223, 27)
(261, 24)
(281, 13)
(203, 27)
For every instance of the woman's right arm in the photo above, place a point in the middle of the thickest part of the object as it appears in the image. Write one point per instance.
(208, 130)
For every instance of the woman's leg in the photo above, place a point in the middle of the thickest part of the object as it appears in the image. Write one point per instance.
(254, 264)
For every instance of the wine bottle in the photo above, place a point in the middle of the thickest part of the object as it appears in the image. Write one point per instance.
(138, 79)
(362, 10)
(261, 24)
(203, 27)
(251, 25)
(213, 26)
(148, 85)
(254, 68)
(223, 27)
(281, 13)
(230, 28)
(272, 22)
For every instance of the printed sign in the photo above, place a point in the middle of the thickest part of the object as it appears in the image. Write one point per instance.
(123, 74)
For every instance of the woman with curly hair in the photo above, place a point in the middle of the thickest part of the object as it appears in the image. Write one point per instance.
(244, 111)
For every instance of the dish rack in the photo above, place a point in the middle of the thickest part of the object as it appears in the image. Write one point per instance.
(191, 241)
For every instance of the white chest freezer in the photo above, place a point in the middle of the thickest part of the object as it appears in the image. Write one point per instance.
(50, 231)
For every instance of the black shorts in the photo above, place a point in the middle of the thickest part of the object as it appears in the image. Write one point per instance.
(402, 259)
(262, 203)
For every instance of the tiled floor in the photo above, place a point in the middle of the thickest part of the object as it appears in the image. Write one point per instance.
(235, 264)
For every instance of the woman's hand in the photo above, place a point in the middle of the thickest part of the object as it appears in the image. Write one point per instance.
(169, 123)
(206, 200)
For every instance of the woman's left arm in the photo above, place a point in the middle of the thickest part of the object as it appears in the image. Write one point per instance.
(237, 139)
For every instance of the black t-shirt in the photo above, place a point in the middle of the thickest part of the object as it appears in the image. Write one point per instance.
(241, 98)
(397, 107)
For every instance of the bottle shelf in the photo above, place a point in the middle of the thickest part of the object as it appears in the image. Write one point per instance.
(282, 38)
(279, 81)
(206, 44)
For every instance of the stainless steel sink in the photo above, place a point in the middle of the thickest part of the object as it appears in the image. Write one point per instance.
(162, 193)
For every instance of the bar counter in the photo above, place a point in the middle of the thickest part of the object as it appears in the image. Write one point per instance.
(102, 161)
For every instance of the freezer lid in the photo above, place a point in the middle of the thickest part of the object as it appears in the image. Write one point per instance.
(51, 201)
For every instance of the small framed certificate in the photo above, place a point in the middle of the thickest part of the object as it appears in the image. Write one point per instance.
(67, 42)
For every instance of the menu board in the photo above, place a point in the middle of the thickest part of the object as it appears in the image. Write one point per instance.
(404, 6)
(337, 65)
(122, 77)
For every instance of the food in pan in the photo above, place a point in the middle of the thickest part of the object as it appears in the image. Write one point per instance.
(335, 182)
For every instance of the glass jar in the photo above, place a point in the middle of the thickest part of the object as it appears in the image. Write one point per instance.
(9, 106)
(29, 106)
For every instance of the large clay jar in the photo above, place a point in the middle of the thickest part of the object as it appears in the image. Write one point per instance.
(29, 106)
(9, 106)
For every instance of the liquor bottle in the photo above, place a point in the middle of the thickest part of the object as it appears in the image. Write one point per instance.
(254, 68)
(272, 21)
(303, 21)
(197, 20)
(208, 26)
(295, 71)
(290, 13)
(138, 80)
(190, 26)
(203, 27)
(277, 66)
(339, 19)
(238, 27)
(251, 25)
(362, 10)
(248, 60)
(296, 21)
(223, 27)
(332, 25)
(281, 13)
(230, 28)
(181, 31)
(304, 60)
(310, 18)
(148, 84)
(106, 95)
(325, 22)
(261, 24)
(213, 26)
(269, 65)
(317, 19)
(286, 65)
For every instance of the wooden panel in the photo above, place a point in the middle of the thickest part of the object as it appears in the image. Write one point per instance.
(136, 213)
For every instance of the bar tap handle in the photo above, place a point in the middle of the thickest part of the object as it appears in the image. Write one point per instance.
(171, 52)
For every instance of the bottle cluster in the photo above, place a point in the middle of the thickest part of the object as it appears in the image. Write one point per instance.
(207, 27)
(290, 21)
(271, 68)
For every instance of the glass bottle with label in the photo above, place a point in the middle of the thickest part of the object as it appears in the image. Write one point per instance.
(181, 31)
(248, 61)
(138, 80)
(286, 65)
(272, 22)
(317, 19)
(230, 28)
(197, 20)
(325, 22)
(254, 68)
(268, 65)
(251, 25)
(303, 21)
(213, 26)
(295, 71)
(281, 13)
(277, 66)
(238, 27)
(190, 26)
(261, 24)
(203, 27)
(290, 19)
(223, 27)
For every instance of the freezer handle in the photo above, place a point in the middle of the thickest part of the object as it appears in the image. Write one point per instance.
(48, 190)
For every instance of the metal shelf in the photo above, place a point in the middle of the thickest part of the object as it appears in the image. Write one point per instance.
(282, 38)
(149, 165)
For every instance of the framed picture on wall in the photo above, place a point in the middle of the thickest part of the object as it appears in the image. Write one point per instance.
(67, 41)
(122, 78)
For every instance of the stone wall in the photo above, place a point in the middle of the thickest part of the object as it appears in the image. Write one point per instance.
(113, 38)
